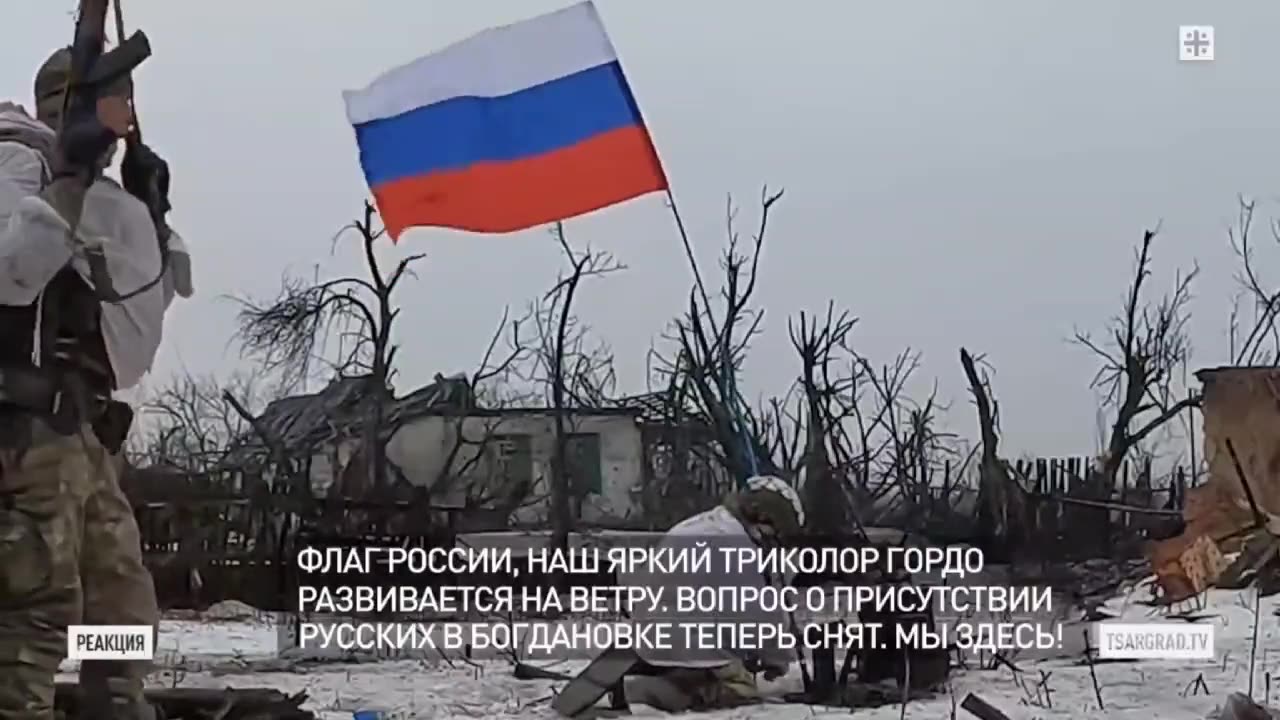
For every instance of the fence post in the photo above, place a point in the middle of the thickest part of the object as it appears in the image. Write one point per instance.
(1124, 499)
(1191, 426)
(946, 483)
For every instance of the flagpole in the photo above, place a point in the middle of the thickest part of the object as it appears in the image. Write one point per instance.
(731, 386)
(688, 249)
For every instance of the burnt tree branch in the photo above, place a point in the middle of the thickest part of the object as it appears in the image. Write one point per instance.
(1145, 345)
(290, 333)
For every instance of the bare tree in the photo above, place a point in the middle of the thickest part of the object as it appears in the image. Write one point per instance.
(867, 402)
(1001, 500)
(188, 425)
(470, 445)
(565, 355)
(861, 423)
(909, 450)
(1146, 344)
(711, 347)
(1260, 345)
(570, 369)
(827, 492)
(290, 334)
(779, 428)
(847, 427)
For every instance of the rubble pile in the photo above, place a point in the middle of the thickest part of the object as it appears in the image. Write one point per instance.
(1237, 509)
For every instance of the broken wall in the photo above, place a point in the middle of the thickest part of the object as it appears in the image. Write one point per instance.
(500, 450)
(1241, 404)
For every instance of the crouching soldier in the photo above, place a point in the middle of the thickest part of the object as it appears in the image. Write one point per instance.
(703, 670)
(69, 545)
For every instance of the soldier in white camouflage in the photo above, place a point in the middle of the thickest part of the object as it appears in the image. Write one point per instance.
(69, 544)
(680, 676)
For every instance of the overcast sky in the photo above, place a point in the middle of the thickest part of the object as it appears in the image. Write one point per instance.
(957, 173)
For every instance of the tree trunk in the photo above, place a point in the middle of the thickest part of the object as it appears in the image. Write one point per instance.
(561, 516)
(999, 504)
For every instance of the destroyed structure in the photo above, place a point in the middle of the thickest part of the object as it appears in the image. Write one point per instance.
(452, 467)
(624, 461)
(1241, 493)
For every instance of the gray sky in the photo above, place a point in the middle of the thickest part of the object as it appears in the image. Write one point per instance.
(957, 173)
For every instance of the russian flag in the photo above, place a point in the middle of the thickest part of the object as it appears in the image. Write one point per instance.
(517, 126)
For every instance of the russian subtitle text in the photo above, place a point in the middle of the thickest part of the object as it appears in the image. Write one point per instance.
(383, 637)
(704, 596)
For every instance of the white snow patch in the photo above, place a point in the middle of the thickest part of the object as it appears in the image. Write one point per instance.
(417, 689)
(232, 610)
(217, 639)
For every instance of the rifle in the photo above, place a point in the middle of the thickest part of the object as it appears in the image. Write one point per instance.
(82, 135)
(92, 70)
(157, 191)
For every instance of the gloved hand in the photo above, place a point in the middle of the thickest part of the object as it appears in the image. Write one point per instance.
(86, 136)
(89, 132)
(771, 670)
(146, 176)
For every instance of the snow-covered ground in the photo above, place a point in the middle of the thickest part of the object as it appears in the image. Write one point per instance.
(235, 652)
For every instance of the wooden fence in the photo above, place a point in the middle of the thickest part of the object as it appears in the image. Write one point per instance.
(1070, 519)
(214, 537)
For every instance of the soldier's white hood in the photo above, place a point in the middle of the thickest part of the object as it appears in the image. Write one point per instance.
(17, 124)
(15, 114)
(715, 532)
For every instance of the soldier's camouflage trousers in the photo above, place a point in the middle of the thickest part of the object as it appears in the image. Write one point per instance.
(69, 554)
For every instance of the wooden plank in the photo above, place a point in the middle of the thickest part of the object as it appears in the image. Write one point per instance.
(981, 709)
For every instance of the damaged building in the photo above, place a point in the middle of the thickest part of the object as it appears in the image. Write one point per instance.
(627, 466)
(1241, 410)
